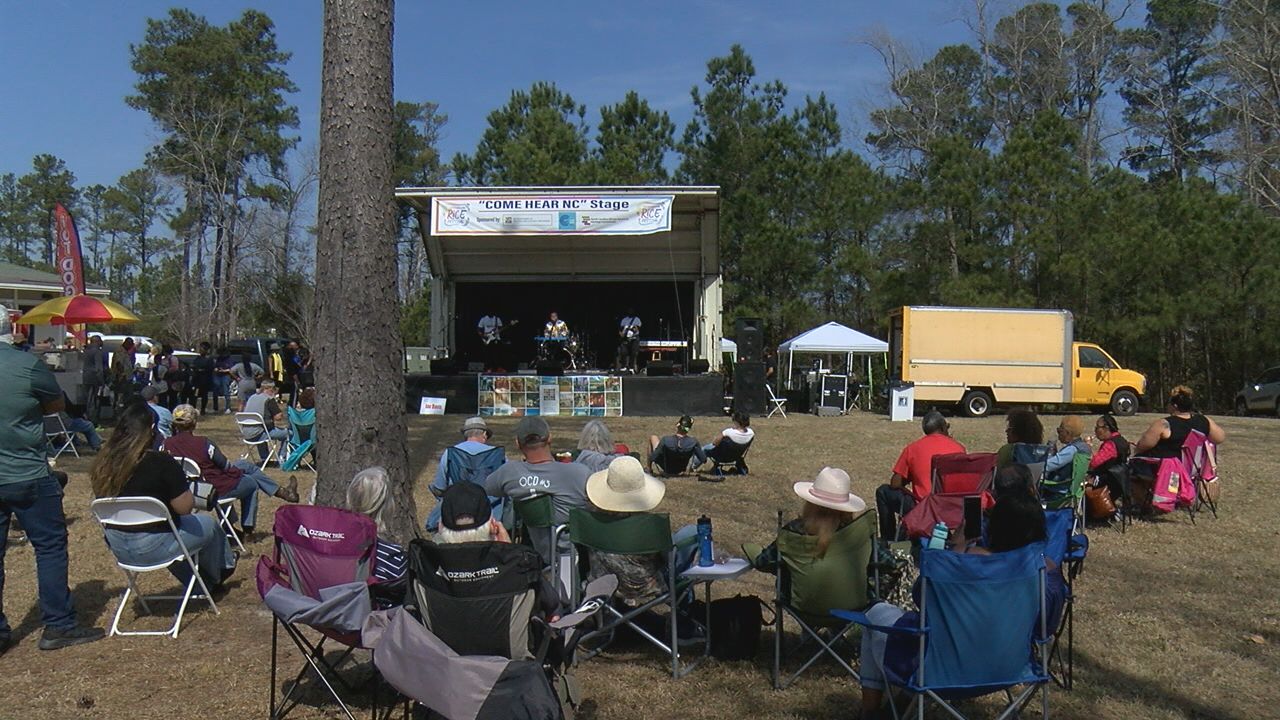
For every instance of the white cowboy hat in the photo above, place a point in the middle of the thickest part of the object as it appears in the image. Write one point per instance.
(625, 487)
(830, 489)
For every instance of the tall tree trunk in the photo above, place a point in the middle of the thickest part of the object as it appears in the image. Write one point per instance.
(360, 409)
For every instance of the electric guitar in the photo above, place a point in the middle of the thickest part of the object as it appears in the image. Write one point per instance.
(494, 335)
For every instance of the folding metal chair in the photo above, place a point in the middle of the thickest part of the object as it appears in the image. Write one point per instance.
(60, 438)
(807, 588)
(122, 512)
(254, 433)
(981, 629)
(636, 534)
(222, 509)
(1068, 549)
(778, 405)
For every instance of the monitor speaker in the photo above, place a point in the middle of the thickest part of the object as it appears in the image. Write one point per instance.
(749, 334)
(699, 367)
(659, 368)
(748, 387)
(550, 367)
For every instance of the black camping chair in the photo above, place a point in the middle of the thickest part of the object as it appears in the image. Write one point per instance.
(729, 457)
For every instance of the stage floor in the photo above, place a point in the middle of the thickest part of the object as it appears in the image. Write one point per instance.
(642, 396)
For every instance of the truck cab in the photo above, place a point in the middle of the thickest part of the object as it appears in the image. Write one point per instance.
(1097, 379)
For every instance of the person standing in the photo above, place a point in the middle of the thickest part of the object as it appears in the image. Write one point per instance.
(629, 342)
(222, 380)
(122, 366)
(489, 329)
(200, 383)
(93, 374)
(245, 374)
(31, 492)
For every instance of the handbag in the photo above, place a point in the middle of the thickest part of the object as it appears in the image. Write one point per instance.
(735, 625)
(204, 494)
(1098, 502)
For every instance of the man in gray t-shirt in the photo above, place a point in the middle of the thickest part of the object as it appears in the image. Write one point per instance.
(539, 474)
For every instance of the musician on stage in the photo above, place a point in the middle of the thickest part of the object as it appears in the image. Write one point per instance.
(629, 342)
(490, 331)
(556, 328)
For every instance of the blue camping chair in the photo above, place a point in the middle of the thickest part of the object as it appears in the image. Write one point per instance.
(462, 466)
(302, 424)
(1068, 549)
(982, 629)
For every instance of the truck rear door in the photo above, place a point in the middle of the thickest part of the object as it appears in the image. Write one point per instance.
(1091, 381)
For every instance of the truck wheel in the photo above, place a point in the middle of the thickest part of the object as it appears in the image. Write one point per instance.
(1242, 407)
(1124, 402)
(975, 403)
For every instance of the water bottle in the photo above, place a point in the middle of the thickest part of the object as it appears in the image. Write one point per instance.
(938, 540)
(706, 556)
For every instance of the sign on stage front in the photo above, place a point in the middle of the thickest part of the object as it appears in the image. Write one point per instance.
(623, 214)
(581, 395)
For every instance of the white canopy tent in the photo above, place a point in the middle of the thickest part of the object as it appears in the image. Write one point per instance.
(832, 339)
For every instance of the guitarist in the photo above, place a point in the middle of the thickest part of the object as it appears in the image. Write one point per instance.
(490, 330)
(629, 341)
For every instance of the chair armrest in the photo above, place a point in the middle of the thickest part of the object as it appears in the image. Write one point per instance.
(864, 621)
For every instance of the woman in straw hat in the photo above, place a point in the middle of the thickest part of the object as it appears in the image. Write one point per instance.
(624, 488)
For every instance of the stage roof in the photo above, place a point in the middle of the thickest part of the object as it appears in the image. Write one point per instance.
(689, 251)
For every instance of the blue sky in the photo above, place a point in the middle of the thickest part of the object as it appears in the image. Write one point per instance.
(64, 64)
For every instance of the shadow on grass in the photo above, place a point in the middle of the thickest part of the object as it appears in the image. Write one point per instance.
(1153, 692)
(90, 598)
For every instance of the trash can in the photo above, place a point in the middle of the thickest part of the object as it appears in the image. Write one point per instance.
(902, 401)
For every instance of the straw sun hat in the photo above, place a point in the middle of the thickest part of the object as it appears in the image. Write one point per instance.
(831, 490)
(625, 487)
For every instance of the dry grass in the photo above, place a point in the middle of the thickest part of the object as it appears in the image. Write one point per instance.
(1168, 615)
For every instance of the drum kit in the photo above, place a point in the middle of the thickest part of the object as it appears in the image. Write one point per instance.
(573, 351)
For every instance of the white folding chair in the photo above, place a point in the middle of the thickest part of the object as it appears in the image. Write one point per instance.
(222, 510)
(253, 426)
(133, 511)
(60, 438)
(779, 404)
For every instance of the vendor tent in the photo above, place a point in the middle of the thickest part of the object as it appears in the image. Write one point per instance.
(832, 339)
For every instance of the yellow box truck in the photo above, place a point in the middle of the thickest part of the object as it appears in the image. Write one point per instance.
(978, 358)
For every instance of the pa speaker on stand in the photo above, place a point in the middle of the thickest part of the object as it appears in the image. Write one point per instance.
(748, 333)
(748, 387)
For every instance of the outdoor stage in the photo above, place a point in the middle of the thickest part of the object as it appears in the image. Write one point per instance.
(640, 396)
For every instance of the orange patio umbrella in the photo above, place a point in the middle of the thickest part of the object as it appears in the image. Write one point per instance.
(77, 310)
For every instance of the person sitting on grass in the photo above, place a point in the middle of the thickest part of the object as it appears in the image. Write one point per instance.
(740, 433)
(128, 467)
(1015, 521)
(596, 446)
(676, 454)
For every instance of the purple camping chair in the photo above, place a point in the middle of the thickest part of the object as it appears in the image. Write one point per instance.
(319, 578)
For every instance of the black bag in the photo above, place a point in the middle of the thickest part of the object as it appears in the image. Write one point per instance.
(735, 625)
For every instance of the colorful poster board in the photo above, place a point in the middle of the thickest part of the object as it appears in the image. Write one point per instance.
(578, 395)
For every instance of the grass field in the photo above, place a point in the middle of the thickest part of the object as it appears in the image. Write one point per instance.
(1172, 621)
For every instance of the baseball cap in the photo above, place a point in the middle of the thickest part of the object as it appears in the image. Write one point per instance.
(531, 430)
(475, 423)
(185, 414)
(464, 506)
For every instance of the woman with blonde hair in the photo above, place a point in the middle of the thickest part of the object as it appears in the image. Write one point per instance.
(369, 493)
(127, 466)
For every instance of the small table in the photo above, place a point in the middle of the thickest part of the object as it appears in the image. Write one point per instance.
(728, 570)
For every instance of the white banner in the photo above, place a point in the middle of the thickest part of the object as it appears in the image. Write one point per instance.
(551, 214)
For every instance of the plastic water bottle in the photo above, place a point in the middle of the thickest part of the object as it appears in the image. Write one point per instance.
(938, 540)
(706, 556)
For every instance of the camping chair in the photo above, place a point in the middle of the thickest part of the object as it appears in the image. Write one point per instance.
(672, 463)
(636, 534)
(807, 588)
(297, 450)
(777, 404)
(1033, 456)
(452, 680)
(318, 578)
(538, 514)
(462, 466)
(124, 512)
(1068, 549)
(60, 438)
(729, 457)
(981, 629)
(1057, 494)
(254, 433)
(963, 473)
(222, 509)
(1200, 456)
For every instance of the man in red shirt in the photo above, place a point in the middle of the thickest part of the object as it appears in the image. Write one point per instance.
(915, 469)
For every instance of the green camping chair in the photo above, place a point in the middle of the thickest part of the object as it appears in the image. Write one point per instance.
(635, 534)
(537, 515)
(1059, 495)
(808, 588)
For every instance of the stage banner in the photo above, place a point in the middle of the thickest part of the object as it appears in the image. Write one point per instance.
(623, 214)
(70, 268)
(578, 395)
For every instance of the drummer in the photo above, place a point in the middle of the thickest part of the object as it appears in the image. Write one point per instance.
(556, 328)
